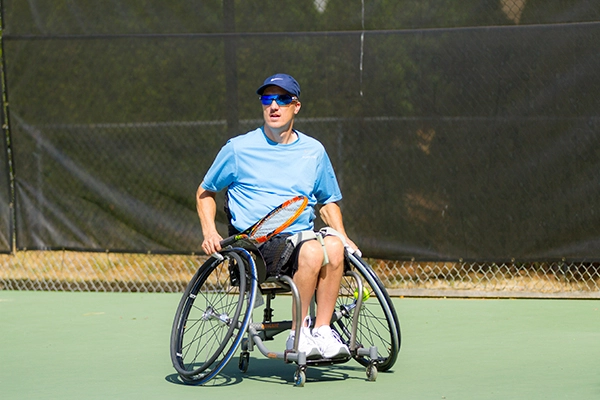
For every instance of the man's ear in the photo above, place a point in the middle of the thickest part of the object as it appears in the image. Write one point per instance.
(297, 107)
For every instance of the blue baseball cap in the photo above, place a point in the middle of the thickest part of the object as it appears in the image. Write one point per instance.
(284, 81)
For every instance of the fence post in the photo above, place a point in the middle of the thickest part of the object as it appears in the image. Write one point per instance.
(230, 67)
(7, 139)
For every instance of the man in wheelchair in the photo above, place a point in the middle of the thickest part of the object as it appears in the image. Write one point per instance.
(261, 169)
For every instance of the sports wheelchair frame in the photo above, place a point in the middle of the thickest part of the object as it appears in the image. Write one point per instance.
(215, 317)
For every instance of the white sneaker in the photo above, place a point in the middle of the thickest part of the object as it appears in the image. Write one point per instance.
(306, 343)
(329, 343)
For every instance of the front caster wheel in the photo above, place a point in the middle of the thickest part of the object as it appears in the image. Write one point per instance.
(372, 372)
(299, 377)
(244, 361)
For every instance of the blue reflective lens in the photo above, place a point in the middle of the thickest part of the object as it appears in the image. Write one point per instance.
(280, 99)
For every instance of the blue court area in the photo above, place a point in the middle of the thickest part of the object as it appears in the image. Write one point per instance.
(57, 345)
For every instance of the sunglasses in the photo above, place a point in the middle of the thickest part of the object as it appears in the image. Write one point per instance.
(280, 99)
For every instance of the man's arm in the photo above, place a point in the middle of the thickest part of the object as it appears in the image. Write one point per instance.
(331, 214)
(206, 206)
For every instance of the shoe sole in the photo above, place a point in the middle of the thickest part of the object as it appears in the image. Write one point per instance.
(314, 354)
(343, 353)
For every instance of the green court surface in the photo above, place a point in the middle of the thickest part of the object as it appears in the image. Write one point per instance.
(116, 346)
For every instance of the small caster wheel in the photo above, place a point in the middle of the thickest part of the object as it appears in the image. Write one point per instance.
(244, 361)
(299, 378)
(372, 372)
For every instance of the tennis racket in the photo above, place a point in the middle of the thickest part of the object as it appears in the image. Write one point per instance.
(273, 223)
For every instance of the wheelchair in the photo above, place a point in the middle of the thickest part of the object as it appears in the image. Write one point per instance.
(215, 317)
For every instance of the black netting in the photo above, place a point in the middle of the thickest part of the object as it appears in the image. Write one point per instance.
(80, 17)
(5, 194)
(457, 129)
(137, 193)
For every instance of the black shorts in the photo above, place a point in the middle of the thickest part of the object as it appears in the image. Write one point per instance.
(281, 257)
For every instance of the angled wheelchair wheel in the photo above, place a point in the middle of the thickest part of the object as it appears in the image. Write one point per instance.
(378, 324)
(212, 317)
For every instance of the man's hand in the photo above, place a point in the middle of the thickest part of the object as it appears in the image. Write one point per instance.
(212, 243)
(352, 248)
(207, 209)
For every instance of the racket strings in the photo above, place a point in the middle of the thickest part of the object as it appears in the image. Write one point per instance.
(277, 219)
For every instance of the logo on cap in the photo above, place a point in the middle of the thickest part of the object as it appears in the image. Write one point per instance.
(284, 81)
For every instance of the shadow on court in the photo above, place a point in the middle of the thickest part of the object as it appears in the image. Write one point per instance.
(277, 372)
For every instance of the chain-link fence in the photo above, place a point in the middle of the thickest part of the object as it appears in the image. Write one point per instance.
(114, 272)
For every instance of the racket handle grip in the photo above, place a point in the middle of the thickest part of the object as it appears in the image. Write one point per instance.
(230, 240)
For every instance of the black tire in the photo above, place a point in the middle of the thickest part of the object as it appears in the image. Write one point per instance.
(378, 324)
(211, 318)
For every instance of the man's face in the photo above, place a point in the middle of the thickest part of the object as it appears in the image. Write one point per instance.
(276, 116)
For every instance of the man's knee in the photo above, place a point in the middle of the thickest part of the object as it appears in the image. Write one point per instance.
(335, 249)
(311, 255)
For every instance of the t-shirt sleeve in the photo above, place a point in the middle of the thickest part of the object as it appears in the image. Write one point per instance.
(327, 189)
(222, 172)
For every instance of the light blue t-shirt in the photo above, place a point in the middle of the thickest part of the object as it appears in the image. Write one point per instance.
(261, 174)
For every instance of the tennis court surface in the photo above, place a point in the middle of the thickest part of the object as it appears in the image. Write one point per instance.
(59, 345)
